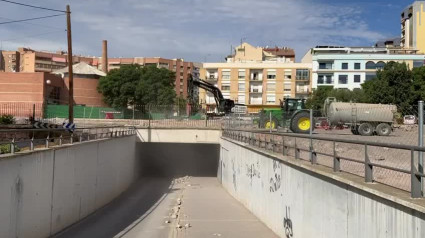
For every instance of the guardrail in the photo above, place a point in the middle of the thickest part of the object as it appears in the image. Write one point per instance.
(279, 142)
(15, 140)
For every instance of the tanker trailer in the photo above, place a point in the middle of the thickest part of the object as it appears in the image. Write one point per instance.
(363, 118)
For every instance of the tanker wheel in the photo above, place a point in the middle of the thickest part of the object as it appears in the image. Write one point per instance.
(355, 130)
(301, 123)
(365, 129)
(383, 129)
(267, 124)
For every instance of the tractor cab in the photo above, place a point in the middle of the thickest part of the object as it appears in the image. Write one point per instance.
(292, 115)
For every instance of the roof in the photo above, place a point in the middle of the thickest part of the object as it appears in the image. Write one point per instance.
(81, 68)
(280, 51)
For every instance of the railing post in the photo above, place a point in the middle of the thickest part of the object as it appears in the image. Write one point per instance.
(297, 155)
(12, 146)
(60, 140)
(283, 145)
(32, 143)
(368, 167)
(71, 140)
(270, 121)
(415, 180)
(421, 140)
(337, 161)
(47, 140)
(149, 116)
(206, 120)
(313, 156)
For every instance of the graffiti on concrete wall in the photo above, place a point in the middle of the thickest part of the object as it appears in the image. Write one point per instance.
(253, 171)
(287, 224)
(234, 174)
(275, 180)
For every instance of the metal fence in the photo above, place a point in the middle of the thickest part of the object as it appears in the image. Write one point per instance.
(18, 140)
(351, 156)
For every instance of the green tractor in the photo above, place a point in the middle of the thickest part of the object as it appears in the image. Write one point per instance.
(292, 114)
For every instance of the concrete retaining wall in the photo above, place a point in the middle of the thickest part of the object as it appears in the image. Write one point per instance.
(180, 135)
(294, 200)
(45, 191)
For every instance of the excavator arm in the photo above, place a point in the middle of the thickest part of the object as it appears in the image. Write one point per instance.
(223, 105)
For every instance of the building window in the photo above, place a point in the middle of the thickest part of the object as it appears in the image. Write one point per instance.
(225, 75)
(271, 87)
(271, 99)
(343, 79)
(325, 79)
(356, 65)
(380, 65)
(325, 65)
(287, 90)
(241, 99)
(225, 87)
(241, 87)
(288, 74)
(271, 74)
(357, 78)
(370, 76)
(303, 74)
(241, 74)
(370, 65)
(344, 66)
(418, 64)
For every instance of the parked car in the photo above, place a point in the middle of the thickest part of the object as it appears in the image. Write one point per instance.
(409, 120)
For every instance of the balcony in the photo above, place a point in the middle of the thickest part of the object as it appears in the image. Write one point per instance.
(302, 79)
(302, 91)
(256, 79)
(211, 78)
(254, 90)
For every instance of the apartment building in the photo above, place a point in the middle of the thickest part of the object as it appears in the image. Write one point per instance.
(183, 69)
(248, 53)
(30, 61)
(349, 67)
(9, 61)
(413, 26)
(253, 77)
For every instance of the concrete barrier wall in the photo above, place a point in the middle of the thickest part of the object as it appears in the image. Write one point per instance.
(294, 200)
(45, 191)
(180, 135)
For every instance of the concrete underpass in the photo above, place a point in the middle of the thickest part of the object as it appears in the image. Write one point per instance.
(191, 183)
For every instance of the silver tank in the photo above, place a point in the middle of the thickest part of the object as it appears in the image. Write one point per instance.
(343, 112)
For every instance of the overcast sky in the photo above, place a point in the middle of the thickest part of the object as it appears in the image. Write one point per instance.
(200, 29)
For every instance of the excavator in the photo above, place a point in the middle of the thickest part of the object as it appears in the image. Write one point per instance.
(224, 106)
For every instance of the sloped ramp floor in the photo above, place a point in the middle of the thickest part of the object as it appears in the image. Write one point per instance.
(156, 207)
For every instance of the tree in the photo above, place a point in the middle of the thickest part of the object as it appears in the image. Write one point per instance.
(133, 84)
(392, 85)
(318, 97)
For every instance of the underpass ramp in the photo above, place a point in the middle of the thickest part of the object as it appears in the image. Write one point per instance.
(178, 195)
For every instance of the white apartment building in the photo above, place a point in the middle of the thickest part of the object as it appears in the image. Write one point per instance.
(349, 67)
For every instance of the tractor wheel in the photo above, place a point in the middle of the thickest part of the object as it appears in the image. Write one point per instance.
(365, 129)
(383, 129)
(301, 123)
(267, 124)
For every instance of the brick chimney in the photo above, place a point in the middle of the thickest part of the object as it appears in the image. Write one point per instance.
(105, 56)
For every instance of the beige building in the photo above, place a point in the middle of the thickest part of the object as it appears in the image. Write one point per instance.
(413, 27)
(247, 79)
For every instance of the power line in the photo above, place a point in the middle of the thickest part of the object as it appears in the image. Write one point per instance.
(27, 5)
(30, 19)
(35, 24)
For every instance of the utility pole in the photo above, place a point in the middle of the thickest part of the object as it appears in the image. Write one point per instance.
(70, 73)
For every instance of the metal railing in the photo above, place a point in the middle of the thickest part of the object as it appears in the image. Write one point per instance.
(18, 140)
(283, 143)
